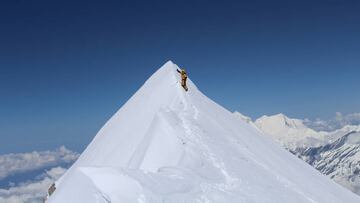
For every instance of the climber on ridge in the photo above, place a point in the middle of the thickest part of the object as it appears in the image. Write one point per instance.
(183, 78)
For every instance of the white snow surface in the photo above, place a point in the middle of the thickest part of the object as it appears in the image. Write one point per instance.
(168, 145)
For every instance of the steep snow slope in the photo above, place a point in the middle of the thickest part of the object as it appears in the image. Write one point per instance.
(335, 154)
(168, 145)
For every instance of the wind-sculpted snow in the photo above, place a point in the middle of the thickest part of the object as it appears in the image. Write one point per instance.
(168, 145)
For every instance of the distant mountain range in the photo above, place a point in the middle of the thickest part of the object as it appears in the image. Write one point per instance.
(335, 154)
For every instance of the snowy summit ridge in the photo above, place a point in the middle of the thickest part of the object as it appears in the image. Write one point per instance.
(168, 145)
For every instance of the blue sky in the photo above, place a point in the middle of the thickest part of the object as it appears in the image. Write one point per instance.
(67, 66)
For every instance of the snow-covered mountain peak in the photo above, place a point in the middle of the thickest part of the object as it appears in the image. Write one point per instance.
(294, 133)
(276, 122)
(289, 132)
(280, 120)
(146, 108)
(165, 74)
(169, 145)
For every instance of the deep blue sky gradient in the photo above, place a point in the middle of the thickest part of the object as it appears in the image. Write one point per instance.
(67, 66)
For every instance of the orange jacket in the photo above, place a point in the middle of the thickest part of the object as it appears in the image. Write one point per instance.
(183, 74)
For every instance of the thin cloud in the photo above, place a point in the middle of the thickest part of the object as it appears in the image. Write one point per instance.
(337, 122)
(11, 164)
(31, 191)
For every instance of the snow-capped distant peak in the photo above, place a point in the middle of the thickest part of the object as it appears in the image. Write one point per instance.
(279, 122)
(282, 120)
(289, 132)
